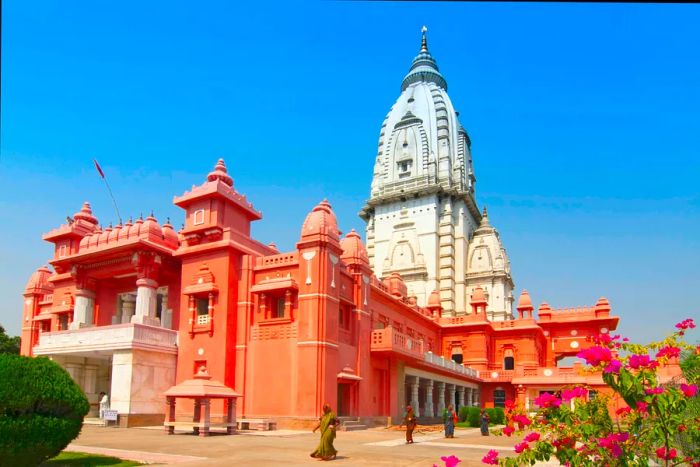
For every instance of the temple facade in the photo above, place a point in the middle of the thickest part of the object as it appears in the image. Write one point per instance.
(420, 313)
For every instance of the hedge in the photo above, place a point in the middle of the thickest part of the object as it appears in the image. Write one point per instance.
(41, 410)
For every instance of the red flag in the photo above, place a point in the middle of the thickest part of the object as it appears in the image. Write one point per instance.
(99, 169)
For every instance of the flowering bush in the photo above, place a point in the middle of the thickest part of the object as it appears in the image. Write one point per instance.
(660, 422)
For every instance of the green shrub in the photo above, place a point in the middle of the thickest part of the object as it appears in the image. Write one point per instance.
(41, 410)
(473, 416)
(463, 412)
(497, 416)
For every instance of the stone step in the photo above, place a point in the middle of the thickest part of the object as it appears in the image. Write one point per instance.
(93, 421)
(352, 427)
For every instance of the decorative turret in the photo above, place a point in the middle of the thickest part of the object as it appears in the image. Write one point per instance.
(39, 283)
(479, 302)
(220, 173)
(321, 223)
(353, 249)
(85, 214)
(525, 305)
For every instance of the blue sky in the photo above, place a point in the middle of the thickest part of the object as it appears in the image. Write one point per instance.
(583, 117)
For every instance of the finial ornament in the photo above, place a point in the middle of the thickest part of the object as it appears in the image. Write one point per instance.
(424, 40)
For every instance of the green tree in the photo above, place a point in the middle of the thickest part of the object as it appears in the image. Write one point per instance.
(41, 410)
(8, 344)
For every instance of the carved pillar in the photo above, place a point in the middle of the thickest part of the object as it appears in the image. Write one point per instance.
(146, 302)
(205, 420)
(128, 307)
(460, 397)
(197, 415)
(84, 310)
(429, 407)
(451, 395)
(231, 416)
(170, 415)
(441, 398)
(469, 402)
(476, 396)
(414, 395)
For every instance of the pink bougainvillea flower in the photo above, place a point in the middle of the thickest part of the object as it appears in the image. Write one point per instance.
(656, 390)
(595, 355)
(509, 404)
(666, 455)
(686, 324)
(522, 420)
(623, 411)
(451, 461)
(642, 407)
(668, 352)
(568, 394)
(491, 458)
(508, 430)
(612, 443)
(639, 361)
(532, 437)
(689, 390)
(520, 447)
(613, 367)
(547, 400)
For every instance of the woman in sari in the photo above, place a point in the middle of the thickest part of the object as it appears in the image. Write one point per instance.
(410, 421)
(485, 419)
(449, 422)
(327, 423)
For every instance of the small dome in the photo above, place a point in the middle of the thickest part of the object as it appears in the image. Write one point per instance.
(353, 248)
(424, 68)
(85, 214)
(151, 228)
(104, 236)
(321, 221)
(602, 305)
(135, 229)
(524, 302)
(114, 234)
(94, 238)
(169, 235)
(220, 173)
(39, 279)
(544, 308)
(83, 245)
(478, 296)
(124, 232)
(434, 300)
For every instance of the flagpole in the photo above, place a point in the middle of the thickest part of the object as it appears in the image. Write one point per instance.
(111, 195)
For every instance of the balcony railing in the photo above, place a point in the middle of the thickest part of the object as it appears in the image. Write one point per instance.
(450, 365)
(107, 338)
(388, 339)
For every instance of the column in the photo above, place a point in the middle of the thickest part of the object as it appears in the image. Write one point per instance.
(477, 397)
(84, 309)
(128, 307)
(451, 395)
(206, 416)
(414, 395)
(170, 415)
(468, 402)
(441, 398)
(231, 416)
(146, 302)
(197, 415)
(429, 408)
(460, 397)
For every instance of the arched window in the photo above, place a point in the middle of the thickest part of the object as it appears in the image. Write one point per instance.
(457, 354)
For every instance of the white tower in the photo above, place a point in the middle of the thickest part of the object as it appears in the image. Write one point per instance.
(422, 213)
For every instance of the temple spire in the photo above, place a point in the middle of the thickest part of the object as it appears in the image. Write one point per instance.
(424, 41)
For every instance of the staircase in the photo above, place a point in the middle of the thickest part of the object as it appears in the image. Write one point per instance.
(351, 424)
(94, 421)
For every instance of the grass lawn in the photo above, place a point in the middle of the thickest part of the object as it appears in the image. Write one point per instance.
(75, 459)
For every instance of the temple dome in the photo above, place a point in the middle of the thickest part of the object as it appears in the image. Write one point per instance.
(220, 173)
(421, 136)
(321, 221)
(39, 279)
(524, 302)
(353, 248)
(478, 296)
(434, 299)
(85, 214)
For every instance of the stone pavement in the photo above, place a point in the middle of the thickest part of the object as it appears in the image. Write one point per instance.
(374, 447)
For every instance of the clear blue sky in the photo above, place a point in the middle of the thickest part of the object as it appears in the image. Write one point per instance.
(584, 120)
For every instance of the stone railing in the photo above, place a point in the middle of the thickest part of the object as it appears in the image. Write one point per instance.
(388, 339)
(107, 338)
(451, 365)
(284, 259)
(563, 374)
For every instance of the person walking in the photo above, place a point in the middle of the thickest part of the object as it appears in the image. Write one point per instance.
(485, 419)
(328, 424)
(104, 403)
(410, 420)
(449, 420)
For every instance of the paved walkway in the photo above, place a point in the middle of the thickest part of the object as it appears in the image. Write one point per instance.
(375, 447)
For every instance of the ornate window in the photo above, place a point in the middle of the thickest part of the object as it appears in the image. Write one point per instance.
(201, 297)
(276, 299)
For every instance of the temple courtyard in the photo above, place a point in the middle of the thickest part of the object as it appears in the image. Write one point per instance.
(373, 447)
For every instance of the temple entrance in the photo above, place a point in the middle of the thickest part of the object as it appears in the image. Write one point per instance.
(345, 399)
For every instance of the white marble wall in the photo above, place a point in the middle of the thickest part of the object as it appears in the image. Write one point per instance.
(139, 379)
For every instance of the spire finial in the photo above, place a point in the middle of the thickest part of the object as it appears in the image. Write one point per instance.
(485, 214)
(424, 41)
